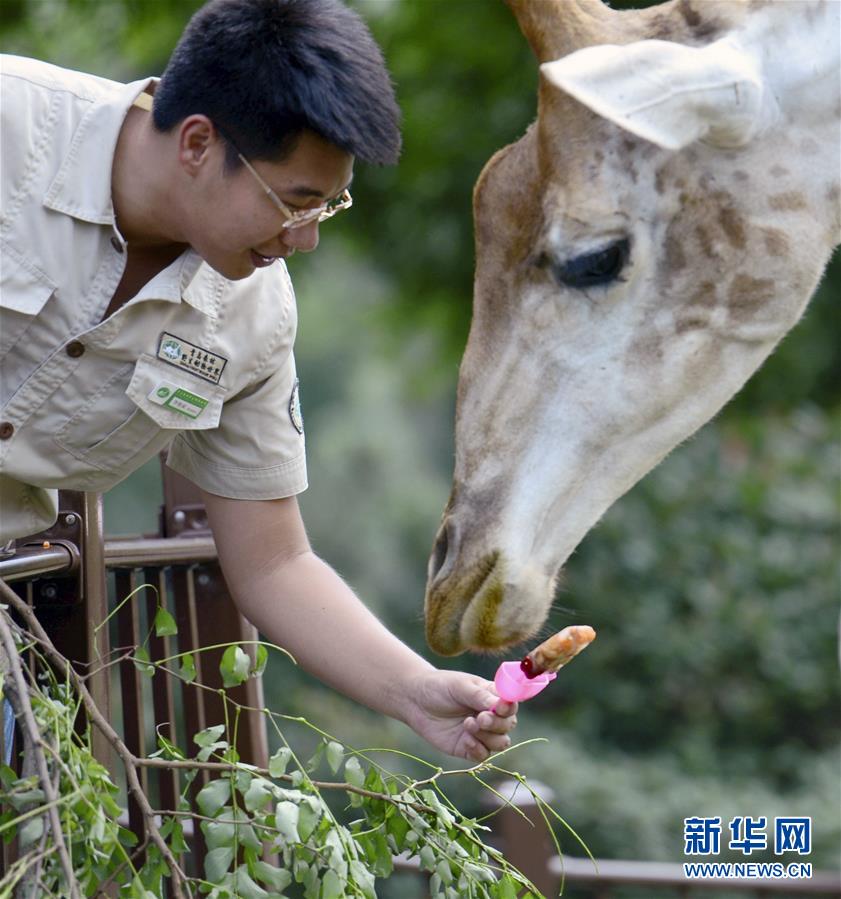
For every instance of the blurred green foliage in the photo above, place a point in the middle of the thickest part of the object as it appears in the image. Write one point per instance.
(713, 686)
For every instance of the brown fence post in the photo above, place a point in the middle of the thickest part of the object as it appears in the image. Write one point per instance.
(95, 606)
(522, 832)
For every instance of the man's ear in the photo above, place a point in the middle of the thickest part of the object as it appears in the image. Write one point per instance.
(667, 93)
(196, 135)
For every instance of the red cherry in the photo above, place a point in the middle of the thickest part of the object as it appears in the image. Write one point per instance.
(527, 667)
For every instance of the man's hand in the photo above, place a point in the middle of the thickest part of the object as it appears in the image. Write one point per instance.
(451, 710)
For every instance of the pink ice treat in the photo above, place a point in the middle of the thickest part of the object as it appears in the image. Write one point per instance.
(513, 686)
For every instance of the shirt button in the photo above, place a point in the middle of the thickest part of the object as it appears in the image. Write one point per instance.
(74, 349)
(6, 430)
(116, 243)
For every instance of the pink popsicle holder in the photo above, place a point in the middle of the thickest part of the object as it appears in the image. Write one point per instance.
(513, 686)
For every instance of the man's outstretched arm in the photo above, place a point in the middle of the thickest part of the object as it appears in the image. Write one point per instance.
(298, 602)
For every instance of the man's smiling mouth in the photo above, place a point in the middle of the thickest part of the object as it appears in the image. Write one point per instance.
(260, 260)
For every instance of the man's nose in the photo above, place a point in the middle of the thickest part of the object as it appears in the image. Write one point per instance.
(303, 239)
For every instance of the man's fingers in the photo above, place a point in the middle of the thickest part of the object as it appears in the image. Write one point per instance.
(495, 724)
(504, 708)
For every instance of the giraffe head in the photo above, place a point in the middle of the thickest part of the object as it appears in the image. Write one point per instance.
(640, 251)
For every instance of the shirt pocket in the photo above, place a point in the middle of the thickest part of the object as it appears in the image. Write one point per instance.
(24, 291)
(139, 405)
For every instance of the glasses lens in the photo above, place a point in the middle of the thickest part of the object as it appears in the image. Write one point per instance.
(320, 213)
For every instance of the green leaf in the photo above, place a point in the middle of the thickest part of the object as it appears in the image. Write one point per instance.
(259, 793)
(354, 773)
(217, 862)
(308, 817)
(141, 661)
(335, 755)
(213, 796)
(22, 798)
(277, 878)
(332, 887)
(364, 878)
(315, 760)
(177, 842)
(444, 871)
(378, 854)
(398, 827)
(218, 834)
(260, 659)
(286, 820)
(165, 625)
(234, 667)
(187, 671)
(245, 887)
(31, 832)
(279, 761)
(209, 735)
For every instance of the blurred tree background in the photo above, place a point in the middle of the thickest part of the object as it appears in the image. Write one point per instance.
(713, 687)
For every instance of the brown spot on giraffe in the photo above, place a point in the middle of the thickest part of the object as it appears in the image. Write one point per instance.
(675, 256)
(747, 295)
(789, 201)
(691, 323)
(690, 16)
(779, 171)
(733, 226)
(705, 295)
(659, 181)
(644, 350)
(739, 175)
(776, 243)
(705, 240)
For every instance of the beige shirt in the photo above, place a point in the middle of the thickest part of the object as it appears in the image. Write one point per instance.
(193, 358)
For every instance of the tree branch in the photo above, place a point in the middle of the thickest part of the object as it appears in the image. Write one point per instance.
(19, 697)
(99, 721)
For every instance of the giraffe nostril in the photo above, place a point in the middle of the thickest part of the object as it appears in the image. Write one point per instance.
(440, 551)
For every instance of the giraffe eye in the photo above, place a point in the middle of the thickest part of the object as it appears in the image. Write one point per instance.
(593, 269)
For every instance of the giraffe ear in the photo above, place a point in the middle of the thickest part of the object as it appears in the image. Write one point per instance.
(667, 93)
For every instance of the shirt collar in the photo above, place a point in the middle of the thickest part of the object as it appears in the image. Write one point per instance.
(82, 187)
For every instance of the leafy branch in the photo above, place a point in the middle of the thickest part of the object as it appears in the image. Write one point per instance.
(263, 827)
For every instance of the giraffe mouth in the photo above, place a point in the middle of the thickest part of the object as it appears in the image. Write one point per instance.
(462, 610)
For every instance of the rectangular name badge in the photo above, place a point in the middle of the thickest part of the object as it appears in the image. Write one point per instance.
(178, 399)
(189, 357)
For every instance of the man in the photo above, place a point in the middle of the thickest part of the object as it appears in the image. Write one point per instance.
(144, 300)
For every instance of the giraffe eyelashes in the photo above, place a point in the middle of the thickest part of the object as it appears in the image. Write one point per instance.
(590, 269)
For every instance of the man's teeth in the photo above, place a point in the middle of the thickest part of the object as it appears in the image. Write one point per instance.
(266, 258)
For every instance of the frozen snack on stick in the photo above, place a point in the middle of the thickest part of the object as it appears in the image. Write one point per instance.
(558, 650)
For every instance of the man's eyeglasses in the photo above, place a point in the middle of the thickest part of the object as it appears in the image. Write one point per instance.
(299, 217)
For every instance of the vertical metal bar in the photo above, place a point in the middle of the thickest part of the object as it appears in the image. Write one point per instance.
(162, 701)
(193, 698)
(96, 611)
(221, 622)
(132, 692)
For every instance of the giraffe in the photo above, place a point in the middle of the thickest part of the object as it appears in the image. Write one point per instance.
(639, 253)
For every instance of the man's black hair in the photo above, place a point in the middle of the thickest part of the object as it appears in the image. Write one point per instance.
(266, 70)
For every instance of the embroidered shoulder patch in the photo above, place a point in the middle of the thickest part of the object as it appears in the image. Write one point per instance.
(295, 409)
(189, 357)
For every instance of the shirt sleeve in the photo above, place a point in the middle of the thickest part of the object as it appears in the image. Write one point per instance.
(257, 450)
